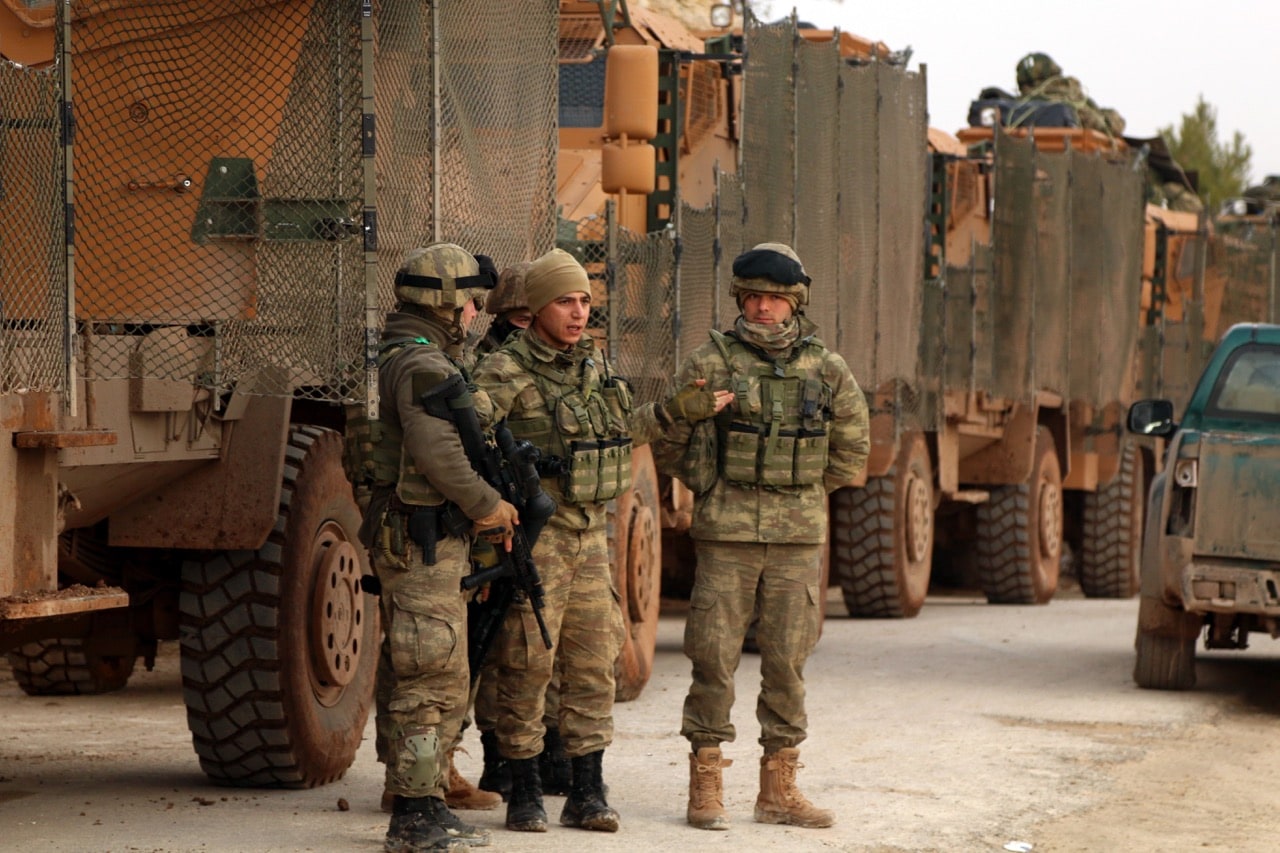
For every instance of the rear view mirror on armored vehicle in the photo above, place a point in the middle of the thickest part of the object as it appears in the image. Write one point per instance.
(1152, 417)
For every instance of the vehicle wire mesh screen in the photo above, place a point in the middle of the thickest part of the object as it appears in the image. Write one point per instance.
(33, 257)
(224, 217)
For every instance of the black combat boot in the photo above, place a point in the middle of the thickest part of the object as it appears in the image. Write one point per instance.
(414, 828)
(554, 765)
(497, 772)
(586, 807)
(455, 826)
(524, 808)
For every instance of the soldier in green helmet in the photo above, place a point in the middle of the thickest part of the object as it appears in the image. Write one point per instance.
(426, 503)
(760, 473)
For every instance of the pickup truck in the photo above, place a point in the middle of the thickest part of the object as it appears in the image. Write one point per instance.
(1211, 548)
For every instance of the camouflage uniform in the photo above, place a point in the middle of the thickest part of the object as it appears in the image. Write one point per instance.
(415, 465)
(582, 611)
(761, 474)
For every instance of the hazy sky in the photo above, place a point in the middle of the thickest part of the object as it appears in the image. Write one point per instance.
(1150, 61)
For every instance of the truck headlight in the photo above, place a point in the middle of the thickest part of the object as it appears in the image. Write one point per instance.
(1185, 473)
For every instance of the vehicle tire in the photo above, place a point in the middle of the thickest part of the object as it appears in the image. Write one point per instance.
(1111, 538)
(882, 537)
(1019, 533)
(1163, 662)
(280, 645)
(636, 548)
(68, 666)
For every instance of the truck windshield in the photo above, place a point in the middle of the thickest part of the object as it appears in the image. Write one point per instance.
(1249, 387)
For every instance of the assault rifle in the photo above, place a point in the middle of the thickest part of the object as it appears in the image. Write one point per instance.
(509, 466)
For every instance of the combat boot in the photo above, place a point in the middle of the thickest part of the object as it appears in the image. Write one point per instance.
(463, 795)
(586, 807)
(706, 789)
(455, 826)
(524, 808)
(780, 801)
(554, 765)
(496, 776)
(414, 828)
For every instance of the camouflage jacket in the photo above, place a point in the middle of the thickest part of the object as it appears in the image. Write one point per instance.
(732, 512)
(512, 393)
(430, 445)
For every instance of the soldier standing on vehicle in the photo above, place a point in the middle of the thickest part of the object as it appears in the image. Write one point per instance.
(510, 309)
(556, 390)
(425, 504)
(761, 473)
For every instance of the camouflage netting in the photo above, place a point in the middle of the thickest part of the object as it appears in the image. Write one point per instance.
(225, 204)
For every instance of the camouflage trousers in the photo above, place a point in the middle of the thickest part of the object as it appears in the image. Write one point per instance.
(485, 695)
(423, 681)
(585, 622)
(736, 582)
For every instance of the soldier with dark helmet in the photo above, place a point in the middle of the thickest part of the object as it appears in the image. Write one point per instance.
(508, 305)
(557, 390)
(425, 506)
(760, 473)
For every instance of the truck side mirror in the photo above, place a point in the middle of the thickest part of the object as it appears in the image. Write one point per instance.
(1152, 417)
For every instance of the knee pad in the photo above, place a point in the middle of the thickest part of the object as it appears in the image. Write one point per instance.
(418, 761)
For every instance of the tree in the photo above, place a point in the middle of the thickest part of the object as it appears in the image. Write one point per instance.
(1223, 168)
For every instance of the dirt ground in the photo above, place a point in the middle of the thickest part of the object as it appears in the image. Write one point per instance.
(971, 727)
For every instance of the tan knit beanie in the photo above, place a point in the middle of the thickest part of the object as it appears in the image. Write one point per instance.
(553, 275)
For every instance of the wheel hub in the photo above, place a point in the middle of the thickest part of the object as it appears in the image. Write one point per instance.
(641, 562)
(919, 526)
(1050, 510)
(338, 614)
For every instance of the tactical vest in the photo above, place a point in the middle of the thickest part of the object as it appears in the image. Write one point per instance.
(776, 431)
(374, 454)
(583, 434)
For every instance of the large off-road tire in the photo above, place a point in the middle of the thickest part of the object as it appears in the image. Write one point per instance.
(1019, 533)
(279, 645)
(1164, 662)
(68, 666)
(635, 539)
(1111, 535)
(882, 537)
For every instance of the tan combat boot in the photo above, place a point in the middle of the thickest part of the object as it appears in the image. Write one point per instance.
(706, 789)
(780, 801)
(463, 795)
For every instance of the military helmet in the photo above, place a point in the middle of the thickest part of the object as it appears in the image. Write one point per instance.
(1034, 69)
(441, 275)
(770, 268)
(509, 295)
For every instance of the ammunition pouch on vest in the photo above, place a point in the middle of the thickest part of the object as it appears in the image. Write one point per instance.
(775, 434)
(584, 434)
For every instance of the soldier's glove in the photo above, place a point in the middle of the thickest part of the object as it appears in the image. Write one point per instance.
(499, 525)
(694, 402)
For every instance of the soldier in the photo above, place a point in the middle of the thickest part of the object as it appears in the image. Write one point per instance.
(425, 505)
(761, 473)
(556, 390)
(510, 309)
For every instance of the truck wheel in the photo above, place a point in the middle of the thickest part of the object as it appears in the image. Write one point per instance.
(1163, 662)
(882, 537)
(1111, 542)
(68, 666)
(279, 645)
(636, 546)
(1019, 533)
